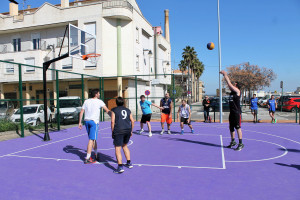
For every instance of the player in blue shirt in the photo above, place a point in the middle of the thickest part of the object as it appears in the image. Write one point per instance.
(147, 113)
(253, 107)
(272, 105)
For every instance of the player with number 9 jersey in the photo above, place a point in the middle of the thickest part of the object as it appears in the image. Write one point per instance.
(122, 124)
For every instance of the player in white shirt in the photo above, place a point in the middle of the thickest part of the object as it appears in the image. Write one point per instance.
(91, 109)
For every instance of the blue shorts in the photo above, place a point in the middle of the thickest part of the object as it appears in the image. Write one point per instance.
(92, 129)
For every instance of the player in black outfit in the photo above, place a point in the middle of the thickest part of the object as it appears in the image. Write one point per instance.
(235, 112)
(122, 124)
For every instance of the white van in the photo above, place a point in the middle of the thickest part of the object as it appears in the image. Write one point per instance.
(69, 109)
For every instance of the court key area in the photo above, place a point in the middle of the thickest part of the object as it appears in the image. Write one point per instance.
(189, 166)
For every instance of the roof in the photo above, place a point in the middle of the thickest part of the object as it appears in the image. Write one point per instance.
(31, 10)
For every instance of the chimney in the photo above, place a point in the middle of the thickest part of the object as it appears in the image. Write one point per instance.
(13, 9)
(65, 3)
(28, 7)
(167, 26)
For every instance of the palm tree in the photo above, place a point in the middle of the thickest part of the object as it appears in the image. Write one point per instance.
(189, 55)
(198, 70)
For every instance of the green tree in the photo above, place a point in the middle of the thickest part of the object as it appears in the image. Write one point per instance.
(189, 55)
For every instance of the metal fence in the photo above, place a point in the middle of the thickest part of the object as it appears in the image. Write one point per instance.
(21, 100)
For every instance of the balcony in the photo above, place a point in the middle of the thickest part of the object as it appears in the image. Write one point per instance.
(117, 9)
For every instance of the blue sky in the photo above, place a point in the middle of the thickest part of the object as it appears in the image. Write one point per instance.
(262, 32)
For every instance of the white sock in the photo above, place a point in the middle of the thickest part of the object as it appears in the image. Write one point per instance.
(88, 155)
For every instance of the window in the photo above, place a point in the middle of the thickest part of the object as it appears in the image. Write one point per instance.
(137, 35)
(89, 64)
(67, 63)
(36, 41)
(90, 28)
(137, 62)
(9, 68)
(30, 61)
(17, 44)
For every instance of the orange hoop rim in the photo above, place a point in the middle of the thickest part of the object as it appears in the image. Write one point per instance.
(91, 55)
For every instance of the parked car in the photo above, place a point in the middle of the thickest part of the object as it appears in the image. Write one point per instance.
(6, 109)
(291, 104)
(69, 109)
(32, 114)
(215, 104)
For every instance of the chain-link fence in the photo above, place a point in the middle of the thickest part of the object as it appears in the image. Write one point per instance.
(22, 96)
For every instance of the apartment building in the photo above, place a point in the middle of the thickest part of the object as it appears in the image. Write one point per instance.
(128, 44)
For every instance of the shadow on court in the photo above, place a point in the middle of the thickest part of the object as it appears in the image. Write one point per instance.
(193, 141)
(292, 165)
(290, 150)
(81, 153)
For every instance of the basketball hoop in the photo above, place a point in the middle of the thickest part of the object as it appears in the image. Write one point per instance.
(92, 57)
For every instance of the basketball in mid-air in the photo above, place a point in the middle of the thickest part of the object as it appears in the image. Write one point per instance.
(210, 46)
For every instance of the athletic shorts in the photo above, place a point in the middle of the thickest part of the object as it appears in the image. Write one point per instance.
(234, 121)
(270, 111)
(122, 139)
(254, 111)
(166, 118)
(146, 118)
(185, 121)
(92, 129)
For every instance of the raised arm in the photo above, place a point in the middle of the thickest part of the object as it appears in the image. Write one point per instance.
(231, 87)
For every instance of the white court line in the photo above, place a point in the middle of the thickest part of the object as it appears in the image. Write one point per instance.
(147, 165)
(222, 150)
(272, 135)
(239, 161)
(46, 144)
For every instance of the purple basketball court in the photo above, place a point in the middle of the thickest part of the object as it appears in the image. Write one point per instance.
(189, 166)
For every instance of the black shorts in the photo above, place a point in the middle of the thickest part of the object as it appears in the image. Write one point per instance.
(270, 111)
(122, 139)
(185, 121)
(234, 121)
(146, 118)
(254, 111)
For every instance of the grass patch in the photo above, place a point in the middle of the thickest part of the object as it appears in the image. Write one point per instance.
(7, 125)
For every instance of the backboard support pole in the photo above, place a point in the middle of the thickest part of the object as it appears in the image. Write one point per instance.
(46, 66)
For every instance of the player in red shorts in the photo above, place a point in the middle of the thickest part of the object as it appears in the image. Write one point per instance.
(166, 113)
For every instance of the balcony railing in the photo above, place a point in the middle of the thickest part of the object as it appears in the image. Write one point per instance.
(117, 4)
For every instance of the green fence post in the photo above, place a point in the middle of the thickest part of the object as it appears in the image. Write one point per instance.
(103, 98)
(21, 101)
(82, 88)
(299, 114)
(57, 101)
(174, 103)
(100, 88)
(136, 101)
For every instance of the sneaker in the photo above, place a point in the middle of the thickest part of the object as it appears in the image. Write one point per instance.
(89, 161)
(150, 134)
(193, 131)
(129, 165)
(182, 132)
(141, 131)
(162, 132)
(275, 121)
(169, 132)
(240, 147)
(231, 145)
(119, 170)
